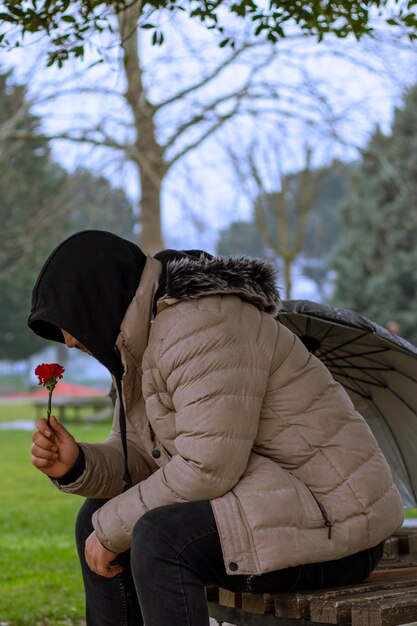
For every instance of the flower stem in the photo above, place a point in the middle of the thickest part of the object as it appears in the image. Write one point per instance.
(48, 410)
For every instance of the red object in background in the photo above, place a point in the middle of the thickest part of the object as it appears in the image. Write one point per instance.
(63, 389)
(67, 389)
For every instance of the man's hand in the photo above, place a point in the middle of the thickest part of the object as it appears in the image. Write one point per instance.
(54, 449)
(99, 559)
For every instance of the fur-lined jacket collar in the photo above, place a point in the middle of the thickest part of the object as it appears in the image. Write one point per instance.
(250, 279)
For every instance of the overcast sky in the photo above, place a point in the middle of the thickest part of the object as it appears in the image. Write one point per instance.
(360, 83)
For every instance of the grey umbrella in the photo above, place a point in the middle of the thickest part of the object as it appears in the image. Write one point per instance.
(378, 371)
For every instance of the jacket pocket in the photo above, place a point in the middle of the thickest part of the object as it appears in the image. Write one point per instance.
(315, 511)
(327, 523)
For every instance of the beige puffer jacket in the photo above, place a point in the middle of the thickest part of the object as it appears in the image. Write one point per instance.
(243, 416)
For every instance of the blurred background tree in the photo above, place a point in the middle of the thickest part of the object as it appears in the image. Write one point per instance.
(241, 238)
(164, 113)
(30, 193)
(376, 259)
(92, 202)
(40, 204)
(172, 110)
(300, 222)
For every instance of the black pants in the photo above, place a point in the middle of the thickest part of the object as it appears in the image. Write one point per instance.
(175, 552)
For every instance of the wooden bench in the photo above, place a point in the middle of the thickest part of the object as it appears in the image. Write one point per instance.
(387, 598)
(68, 408)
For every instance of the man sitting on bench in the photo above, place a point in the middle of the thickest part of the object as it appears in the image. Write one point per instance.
(234, 458)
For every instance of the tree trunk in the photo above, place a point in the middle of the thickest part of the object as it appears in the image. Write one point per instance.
(150, 238)
(288, 263)
(289, 244)
(148, 154)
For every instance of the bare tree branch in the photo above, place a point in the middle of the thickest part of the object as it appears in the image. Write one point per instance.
(207, 79)
(218, 123)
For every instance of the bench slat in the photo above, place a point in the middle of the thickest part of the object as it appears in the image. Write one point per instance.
(339, 609)
(296, 604)
(238, 617)
(260, 603)
(391, 547)
(230, 598)
(212, 593)
(407, 544)
(389, 612)
(394, 564)
(387, 598)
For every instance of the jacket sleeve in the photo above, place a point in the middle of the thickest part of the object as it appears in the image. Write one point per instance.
(102, 476)
(215, 374)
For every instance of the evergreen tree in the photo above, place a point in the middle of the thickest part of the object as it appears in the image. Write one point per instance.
(40, 205)
(376, 261)
(29, 181)
(94, 203)
(241, 238)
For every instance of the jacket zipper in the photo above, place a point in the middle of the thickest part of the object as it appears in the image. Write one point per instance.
(152, 433)
(323, 511)
(167, 451)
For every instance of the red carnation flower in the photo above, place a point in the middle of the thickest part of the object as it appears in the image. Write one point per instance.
(46, 371)
(48, 374)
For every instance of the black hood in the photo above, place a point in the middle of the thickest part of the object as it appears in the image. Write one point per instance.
(85, 288)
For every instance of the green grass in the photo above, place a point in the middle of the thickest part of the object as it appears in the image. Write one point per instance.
(13, 383)
(40, 580)
(11, 412)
